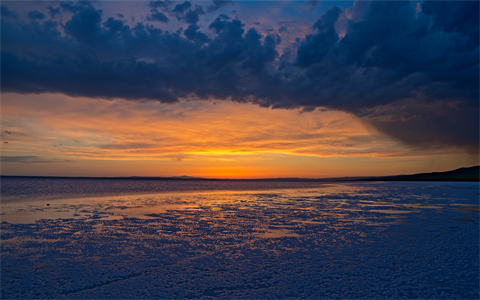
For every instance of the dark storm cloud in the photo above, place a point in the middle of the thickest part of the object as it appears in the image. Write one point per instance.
(157, 16)
(413, 75)
(85, 26)
(35, 14)
(180, 9)
(163, 5)
(185, 11)
(192, 17)
(217, 4)
(7, 13)
(316, 46)
(75, 7)
(53, 11)
(430, 126)
(193, 34)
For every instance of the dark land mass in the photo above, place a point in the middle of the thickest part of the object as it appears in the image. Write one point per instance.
(461, 174)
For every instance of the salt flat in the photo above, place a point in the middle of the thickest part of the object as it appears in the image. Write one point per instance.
(345, 240)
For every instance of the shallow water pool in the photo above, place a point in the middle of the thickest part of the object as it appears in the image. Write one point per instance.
(345, 240)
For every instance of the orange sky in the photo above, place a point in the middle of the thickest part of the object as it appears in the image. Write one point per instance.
(95, 137)
(401, 88)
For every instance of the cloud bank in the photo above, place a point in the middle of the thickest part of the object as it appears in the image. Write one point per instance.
(30, 159)
(410, 71)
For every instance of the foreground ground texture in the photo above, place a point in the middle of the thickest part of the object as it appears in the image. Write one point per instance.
(372, 240)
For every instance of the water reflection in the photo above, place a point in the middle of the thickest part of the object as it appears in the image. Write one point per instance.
(336, 205)
(234, 242)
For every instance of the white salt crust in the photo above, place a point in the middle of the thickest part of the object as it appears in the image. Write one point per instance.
(385, 240)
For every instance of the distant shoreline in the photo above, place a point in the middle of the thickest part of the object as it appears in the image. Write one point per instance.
(468, 174)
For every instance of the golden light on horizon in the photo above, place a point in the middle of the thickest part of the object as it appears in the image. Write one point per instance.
(225, 140)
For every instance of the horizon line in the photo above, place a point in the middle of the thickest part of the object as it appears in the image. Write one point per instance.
(186, 177)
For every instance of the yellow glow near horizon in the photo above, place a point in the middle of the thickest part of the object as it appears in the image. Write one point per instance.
(91, 137)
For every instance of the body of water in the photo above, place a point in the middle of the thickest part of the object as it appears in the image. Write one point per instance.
(19, 189)
(72, 238)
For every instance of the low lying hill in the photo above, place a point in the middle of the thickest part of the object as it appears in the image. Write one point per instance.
(462, 174)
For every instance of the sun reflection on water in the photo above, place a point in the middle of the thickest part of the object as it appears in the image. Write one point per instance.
(240, 241)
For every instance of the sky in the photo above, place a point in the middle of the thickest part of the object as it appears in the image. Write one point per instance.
(239, 89)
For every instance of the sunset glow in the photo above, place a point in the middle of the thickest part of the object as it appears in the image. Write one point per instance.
(239, 149)
(209, 139)
(242, 126)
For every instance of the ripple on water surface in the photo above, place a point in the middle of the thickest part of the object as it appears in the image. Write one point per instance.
(337, 240)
